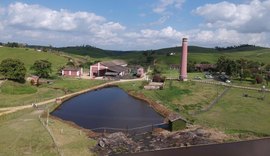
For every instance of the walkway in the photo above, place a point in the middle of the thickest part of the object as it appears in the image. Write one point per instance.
(9, 110)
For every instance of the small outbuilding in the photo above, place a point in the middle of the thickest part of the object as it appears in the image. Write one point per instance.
(176, 122)
(140, 72)
(34, 80)
(72, 72)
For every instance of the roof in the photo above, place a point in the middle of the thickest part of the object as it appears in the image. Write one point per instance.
(175, 116)
(72, 68)
(117, 68)
(113, 63)
(205, 65)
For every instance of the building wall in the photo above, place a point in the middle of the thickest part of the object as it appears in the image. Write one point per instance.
(177, 125)
(71, 73)
(96, 70)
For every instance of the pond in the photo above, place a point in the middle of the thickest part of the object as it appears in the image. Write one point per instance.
(110, 109)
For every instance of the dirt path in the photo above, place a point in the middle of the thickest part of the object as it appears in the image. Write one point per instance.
(9, 110)
(230, 85)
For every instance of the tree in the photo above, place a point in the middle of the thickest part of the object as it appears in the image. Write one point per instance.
(13, 69)
(227, 65)
(42, 68)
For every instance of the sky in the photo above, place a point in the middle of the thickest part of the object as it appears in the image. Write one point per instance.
(135, 24)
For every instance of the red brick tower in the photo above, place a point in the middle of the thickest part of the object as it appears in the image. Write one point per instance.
(183, 74)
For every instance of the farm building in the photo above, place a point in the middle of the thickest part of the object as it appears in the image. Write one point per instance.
(176, 122)
(72, 71)
(109, 68)
(140, 72)
(34, 80)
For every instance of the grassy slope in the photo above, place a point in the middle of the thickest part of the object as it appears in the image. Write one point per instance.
(235, 113)
(30, 56)
(71, 141)
(25, 135)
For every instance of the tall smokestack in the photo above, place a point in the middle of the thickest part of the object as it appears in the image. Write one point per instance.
(183, 74)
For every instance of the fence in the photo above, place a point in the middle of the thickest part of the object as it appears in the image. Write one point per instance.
(132, 131)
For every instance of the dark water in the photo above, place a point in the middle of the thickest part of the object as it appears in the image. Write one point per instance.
(108, 107)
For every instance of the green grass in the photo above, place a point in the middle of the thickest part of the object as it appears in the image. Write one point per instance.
(185, 98)
(73, 85)
(14, 88)
(233, 114)
(28, 57)
(25, 135)
(238, 114)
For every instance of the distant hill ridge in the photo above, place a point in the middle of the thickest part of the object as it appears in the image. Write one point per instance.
(98, 53)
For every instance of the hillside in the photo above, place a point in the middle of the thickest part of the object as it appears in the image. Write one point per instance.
(196, 53)
(29, 56)
(89, 51)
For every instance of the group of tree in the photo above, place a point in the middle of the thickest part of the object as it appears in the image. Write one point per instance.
(243, 68)
(15, 70)
(234, 47)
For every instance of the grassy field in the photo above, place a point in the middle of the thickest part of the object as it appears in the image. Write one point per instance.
(238, 114)
(185, 98)
(233, 114)
(24, 135)
(29, 56)
(70, 140)
(22, 94)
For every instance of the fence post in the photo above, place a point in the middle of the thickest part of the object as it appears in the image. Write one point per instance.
(127, 129)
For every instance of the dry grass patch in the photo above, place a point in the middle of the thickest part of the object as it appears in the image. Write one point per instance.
(70, 140)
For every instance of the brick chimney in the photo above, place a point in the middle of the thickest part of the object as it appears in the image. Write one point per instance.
(183, 67)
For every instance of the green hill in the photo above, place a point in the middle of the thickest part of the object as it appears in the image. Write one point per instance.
(198, 54)
(89, 51)
(29, 56)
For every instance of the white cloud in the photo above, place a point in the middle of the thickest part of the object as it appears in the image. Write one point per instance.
(164, 4)
(252, 17)
(35, 22)
(35, 16)
(225, 24)
(225, 37)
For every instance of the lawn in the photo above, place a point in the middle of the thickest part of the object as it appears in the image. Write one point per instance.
(238, 114)
(24, 135)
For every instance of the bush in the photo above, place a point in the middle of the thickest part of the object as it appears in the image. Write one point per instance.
(159, 78)
(259, 79)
